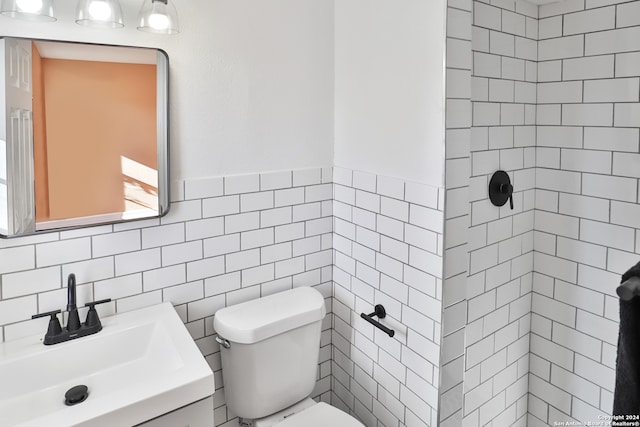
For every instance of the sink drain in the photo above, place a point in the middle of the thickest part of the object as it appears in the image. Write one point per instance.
(75, 395)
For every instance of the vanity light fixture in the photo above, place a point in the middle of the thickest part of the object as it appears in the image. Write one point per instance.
(30, 10)
(99, 13)
(158, 16)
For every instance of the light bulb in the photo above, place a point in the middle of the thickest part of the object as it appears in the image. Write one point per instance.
(29, 6)
(158, 16)
(99, 10)
(159, 21)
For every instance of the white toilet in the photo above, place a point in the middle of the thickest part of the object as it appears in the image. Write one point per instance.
(269, 349)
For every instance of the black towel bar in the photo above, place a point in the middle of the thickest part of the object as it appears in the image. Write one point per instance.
(381, 314)
(629, 288)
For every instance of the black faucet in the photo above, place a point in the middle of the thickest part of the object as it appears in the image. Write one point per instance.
(56, 334)
(73, 323)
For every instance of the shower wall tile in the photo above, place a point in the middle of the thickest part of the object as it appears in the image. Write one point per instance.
(499, 275)
(487, 16)
(587, 114)
(550, 27)
(613, 41)
(611, 90)
(528, 9)
(628, 15)
(599, 3)
(585, 216)
(560, 48)
(589, 21)
(559, 8)
(591, 67)
(387, 245)
(627, 64)
(223, 242)
(456, 192)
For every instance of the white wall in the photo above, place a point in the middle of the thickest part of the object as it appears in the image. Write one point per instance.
(390, 88)
(259, 94)
(251, 82)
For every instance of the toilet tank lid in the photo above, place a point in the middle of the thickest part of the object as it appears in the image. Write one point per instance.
(262, 318)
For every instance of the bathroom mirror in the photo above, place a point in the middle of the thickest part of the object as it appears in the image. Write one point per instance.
(83, 135)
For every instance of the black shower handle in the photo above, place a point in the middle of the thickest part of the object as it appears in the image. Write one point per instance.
(507, 189)
(500, 189)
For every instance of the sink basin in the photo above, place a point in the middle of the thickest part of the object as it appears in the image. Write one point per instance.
(142, 364)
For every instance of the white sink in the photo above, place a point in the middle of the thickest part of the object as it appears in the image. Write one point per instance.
(142, 364)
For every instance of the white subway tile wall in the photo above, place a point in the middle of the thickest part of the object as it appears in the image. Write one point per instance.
(225, 240)
(388, 250)
(559, 255)
(499, 278)
(586, 205)
(458, 169)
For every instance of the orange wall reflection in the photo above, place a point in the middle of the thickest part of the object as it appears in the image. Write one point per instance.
(95, 113)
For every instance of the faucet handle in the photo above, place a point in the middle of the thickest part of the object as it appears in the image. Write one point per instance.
(94, 303)
(92, 315)
(54, 323)
(49, 313)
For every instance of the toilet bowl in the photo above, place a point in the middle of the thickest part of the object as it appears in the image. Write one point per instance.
(308, 413)
(269, 349)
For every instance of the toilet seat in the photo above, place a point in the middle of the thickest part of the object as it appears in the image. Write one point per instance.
(321, 415)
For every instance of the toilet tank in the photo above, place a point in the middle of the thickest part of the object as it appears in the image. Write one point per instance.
(272, 355)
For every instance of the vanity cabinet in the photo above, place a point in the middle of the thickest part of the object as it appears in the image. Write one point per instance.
(198, 414)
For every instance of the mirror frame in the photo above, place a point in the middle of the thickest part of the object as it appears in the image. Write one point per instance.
(163, 149)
